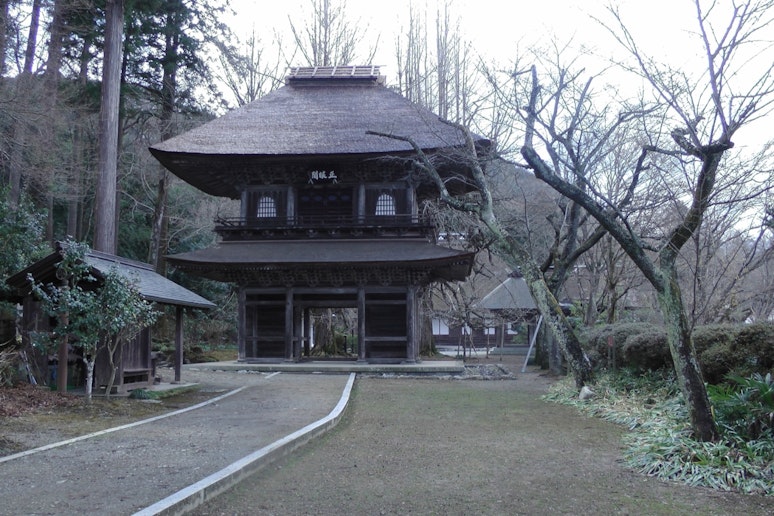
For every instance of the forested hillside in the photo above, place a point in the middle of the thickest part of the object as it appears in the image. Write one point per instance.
(634, 157)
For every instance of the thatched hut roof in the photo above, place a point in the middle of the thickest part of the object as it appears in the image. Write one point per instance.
(319, 113)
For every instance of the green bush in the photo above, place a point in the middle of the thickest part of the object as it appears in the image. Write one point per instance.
(722, 349)
(647, 351)
(596, 338)
(756, 343)
(740, 350)
(705, 337)
(717, 361)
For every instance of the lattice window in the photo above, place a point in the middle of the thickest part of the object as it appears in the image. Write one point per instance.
(385, 204)
(386, 201)
(267, 207)
(267, 204)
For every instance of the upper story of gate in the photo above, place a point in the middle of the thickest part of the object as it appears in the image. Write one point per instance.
(330, 153)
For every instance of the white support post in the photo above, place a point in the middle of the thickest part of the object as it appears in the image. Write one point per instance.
(532, 344)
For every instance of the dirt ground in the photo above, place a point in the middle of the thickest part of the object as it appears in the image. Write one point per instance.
(33, 416)
(429, 446)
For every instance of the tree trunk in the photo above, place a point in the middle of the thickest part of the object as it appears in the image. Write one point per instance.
(114, 348)
(158, 241)
(159, 244)
(16, 161)
(3, 34)
(563, 332)
(89, 376)
(104, 217)
(684, 356)
(517, 255)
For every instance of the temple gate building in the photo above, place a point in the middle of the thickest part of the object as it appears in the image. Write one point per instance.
(330, 215)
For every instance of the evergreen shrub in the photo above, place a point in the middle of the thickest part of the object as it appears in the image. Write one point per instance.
(647, 351)
(756, 342)
(709, 335)
(717, 361)
(740, 350)
(596, 341)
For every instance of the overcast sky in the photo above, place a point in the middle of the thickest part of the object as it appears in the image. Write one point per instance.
(494, 27)
(499, 29)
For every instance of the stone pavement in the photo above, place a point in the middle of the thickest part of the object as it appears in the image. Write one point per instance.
(171, 463)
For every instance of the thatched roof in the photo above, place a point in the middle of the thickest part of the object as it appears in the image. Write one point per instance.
(152, 286)
(320, 112)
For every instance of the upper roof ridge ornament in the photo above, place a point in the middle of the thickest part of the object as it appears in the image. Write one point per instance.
(337, 72)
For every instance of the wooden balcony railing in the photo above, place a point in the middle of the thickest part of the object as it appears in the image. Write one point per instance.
(323, 225)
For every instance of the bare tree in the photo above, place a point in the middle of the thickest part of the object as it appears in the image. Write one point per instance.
(441, 74)
(511, 247)
(583, 140)
(411, 54)
(329, 38)
(734, 89)
(4, 12)
(248, 71)
(724, 251)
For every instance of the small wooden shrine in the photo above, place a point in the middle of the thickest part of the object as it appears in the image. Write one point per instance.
(330, 215)
(136, 366)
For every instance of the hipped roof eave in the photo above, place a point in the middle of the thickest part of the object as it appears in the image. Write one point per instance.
(428, 256)
(152, 286)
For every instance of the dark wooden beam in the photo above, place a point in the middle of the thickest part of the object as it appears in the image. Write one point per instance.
(361, 325)
(411, 324)
(178, 343)
(241, 329)
(289, 324)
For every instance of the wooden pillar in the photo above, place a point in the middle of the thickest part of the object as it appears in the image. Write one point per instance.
(241, 322)
(361, 202)
(178, 342)
(361, 325)
(298, 333)
(289, 324)
(244, 206)
(290, 212)
(307, 331)
(410, 202)
(61, 356)
(411, 324)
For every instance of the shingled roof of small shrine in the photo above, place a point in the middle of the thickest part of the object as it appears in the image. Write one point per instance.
(152, 286)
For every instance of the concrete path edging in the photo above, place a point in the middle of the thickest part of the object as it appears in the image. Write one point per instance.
(196, 494)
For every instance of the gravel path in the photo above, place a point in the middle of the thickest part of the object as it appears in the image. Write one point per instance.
(124, 471)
